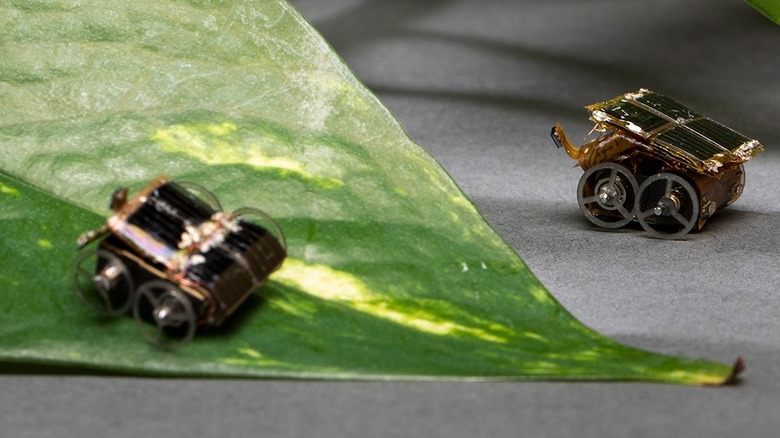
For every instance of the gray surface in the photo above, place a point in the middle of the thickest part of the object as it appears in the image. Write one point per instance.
(479, 84)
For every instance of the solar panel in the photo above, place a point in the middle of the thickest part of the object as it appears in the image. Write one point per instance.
(667, 106)
(674, 128)
(629, 113)
(722, 135)
(689, 141)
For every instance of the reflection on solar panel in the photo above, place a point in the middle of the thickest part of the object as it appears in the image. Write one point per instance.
(633, 115)
(667, 106)
(690, 142)
(672, 126)
(718, 133)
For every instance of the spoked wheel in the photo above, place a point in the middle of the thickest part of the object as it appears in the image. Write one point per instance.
(164, 314)
(606, 194)
(264, 220)
(103, 282)
(202, 193)
(667, 206)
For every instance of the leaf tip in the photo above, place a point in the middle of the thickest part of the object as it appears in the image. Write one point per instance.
(733, 377)
(736, 370)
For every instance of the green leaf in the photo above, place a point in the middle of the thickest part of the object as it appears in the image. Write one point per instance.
(770, 8)
(392, 272)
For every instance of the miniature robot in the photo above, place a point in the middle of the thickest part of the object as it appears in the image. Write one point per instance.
(657, 162)
(174, 257)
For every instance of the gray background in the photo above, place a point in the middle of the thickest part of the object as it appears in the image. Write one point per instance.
(479, 84)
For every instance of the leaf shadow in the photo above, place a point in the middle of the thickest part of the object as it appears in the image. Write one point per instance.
(250, 308)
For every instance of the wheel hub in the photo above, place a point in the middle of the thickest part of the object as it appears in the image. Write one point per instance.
(667, 205)
(107, 278)
(164, 313)
(610, 195)
(607, 195)
(101, 282)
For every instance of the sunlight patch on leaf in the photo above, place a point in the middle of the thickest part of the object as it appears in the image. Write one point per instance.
(4, 189)
(215, 144)
(330, 284)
